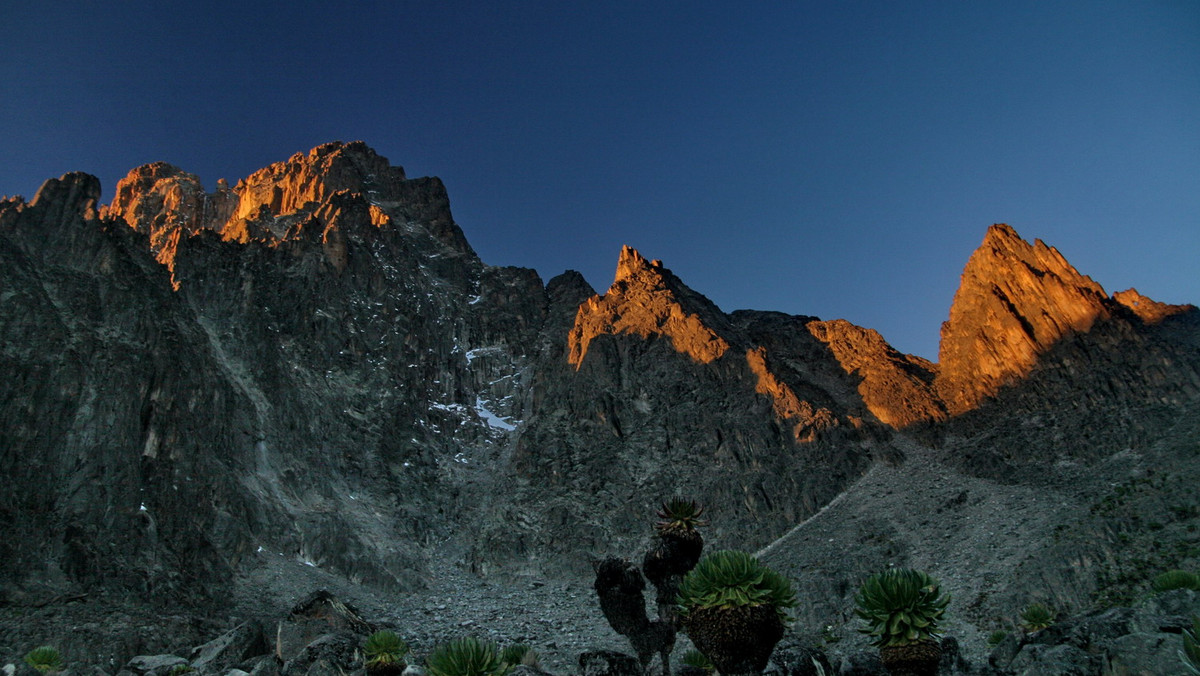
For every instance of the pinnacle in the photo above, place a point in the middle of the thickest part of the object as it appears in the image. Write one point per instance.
(631, 264)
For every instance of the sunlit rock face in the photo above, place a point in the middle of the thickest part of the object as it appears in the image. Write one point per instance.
(1037, 362)
(1015, 300)
(1148, 310)
(281, 202)
(643, 301)
(897, 388)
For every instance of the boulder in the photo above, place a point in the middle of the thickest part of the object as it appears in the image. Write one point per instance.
(230, 649)
(796, 660)
(608, 663)
(154, 665)
(1144, 654)
(328, 655)
(862, 664)
(1060, 660)
(952, 662)
(317, 615)
(268, 666)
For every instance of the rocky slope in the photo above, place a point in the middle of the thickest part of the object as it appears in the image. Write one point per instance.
(218, 399)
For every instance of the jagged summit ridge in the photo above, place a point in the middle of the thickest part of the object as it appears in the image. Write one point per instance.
(1149, 310)
(283, 201)
(646, 299)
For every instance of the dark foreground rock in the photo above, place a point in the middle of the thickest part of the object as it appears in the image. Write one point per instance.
(1143, 640)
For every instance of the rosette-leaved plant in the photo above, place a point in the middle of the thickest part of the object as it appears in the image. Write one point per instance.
(519, 654)
(465, 657)
(902, 609)
(1036, 617)
(1175, 579)
(385, 653)
(680, 543)
(46, 659)
(1190, 655)
(734, 610)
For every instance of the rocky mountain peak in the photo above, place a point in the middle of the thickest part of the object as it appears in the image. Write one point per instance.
(74, 192)
(283, 201)
(1015, 300)
(286, 187)
(1148, 310)
(648, 300)
(632, 265)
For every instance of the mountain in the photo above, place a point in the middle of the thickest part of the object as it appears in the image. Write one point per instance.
(202, 376)
(313, 371)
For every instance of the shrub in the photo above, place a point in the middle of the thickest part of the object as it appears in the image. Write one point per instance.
(180, 669)
(1037, 617)
(465, 657)
(996, 637)
(1176, 579)
(45, 659)
(733, 579)
(517, 654)
(901, 607)
(384, 647)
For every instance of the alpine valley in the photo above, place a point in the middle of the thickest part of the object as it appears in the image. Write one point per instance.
(215, 403)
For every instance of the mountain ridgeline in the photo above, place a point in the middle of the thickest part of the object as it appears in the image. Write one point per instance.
(315, 364)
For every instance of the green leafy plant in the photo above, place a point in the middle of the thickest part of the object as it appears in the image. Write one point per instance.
(465, 657)
(1190, 655)
(45, 659)
(517, 654)
(901, 607)
(180, 669)
(384, 647)
(695, 658)
(1036, 617)
(996, 637)
(1175, 579)
(734, 579)
(680, 516)
(735, 610)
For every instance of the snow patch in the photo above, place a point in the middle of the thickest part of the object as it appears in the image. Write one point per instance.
(492, 419)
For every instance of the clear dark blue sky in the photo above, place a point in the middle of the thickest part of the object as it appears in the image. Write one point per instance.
(838, 159)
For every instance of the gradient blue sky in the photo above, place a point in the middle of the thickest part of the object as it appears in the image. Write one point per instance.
(838, 159)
